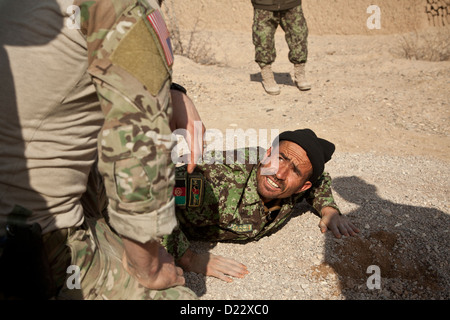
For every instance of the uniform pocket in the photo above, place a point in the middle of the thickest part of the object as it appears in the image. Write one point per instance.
(137, 169)
(132, 182)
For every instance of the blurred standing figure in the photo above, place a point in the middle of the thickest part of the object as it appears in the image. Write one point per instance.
(87, 82)
(268, 15)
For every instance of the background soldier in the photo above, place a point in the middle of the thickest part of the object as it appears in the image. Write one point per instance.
(268, 14)
(77, 74)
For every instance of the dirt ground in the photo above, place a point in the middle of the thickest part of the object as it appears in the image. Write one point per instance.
(389, 118)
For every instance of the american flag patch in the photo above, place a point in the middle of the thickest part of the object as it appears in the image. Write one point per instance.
(160, 27)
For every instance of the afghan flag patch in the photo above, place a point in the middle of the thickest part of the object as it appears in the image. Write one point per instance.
(179, 192)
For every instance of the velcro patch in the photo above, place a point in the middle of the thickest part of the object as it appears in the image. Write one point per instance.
(139, 55)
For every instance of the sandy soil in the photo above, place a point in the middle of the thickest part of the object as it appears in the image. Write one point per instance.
(389, 119)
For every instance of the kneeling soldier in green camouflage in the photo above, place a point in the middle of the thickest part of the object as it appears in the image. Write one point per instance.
(244, 201)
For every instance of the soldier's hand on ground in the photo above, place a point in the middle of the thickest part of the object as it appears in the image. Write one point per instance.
(212, 265)
(185, 116)
(151, 265)
(338, 224)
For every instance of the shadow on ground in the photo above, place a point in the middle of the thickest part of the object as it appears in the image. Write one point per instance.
(284, 78)
(405, 243)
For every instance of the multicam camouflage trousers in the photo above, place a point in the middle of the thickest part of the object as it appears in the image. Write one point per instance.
(90, 267)
(292, 21)
(86, 262)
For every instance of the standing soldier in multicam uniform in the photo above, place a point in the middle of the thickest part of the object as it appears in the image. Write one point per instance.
(241, 202)
(71, 90)
(268, 15)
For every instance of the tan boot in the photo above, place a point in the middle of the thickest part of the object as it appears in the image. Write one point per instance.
(268, 81)
(300, 78)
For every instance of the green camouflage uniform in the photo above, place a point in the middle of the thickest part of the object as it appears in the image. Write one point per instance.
(232, 208)
(117, 96)
(266, 20)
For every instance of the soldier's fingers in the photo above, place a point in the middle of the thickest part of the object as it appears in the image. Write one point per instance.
(350, 228)
(195, 131)
(180, 281)
(196, 154)
(234, 271)
(228, 266)
(220, 275)
(351, 231)
(171, 276)
(237, 273)
(231, 262)
(323, 227)
(343, 229)
(335, 230)
(353, 228)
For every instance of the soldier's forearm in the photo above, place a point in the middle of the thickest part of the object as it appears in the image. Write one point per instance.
(141, 259)
(151, 265)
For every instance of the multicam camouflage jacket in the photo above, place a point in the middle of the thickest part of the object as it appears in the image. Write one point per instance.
(231, 208)
(130, 61)
(103, 74)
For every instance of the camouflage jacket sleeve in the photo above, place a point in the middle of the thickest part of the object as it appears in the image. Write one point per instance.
(176, 243)
(321, 195)
(130, 63)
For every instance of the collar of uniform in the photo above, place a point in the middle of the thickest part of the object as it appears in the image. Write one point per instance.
(274, 206)
(298, 197)
(250, 193)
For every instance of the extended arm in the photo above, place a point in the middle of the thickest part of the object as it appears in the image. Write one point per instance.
(322, 200)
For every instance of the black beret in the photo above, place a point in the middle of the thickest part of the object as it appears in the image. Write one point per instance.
(319, 151)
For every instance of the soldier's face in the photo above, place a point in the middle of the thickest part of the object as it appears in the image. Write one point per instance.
(284, 172)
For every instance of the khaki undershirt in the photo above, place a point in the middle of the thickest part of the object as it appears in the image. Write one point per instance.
(50, 114)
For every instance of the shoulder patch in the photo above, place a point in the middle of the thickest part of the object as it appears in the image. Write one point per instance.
(138, 54)
(160, 27)
(196, 190)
